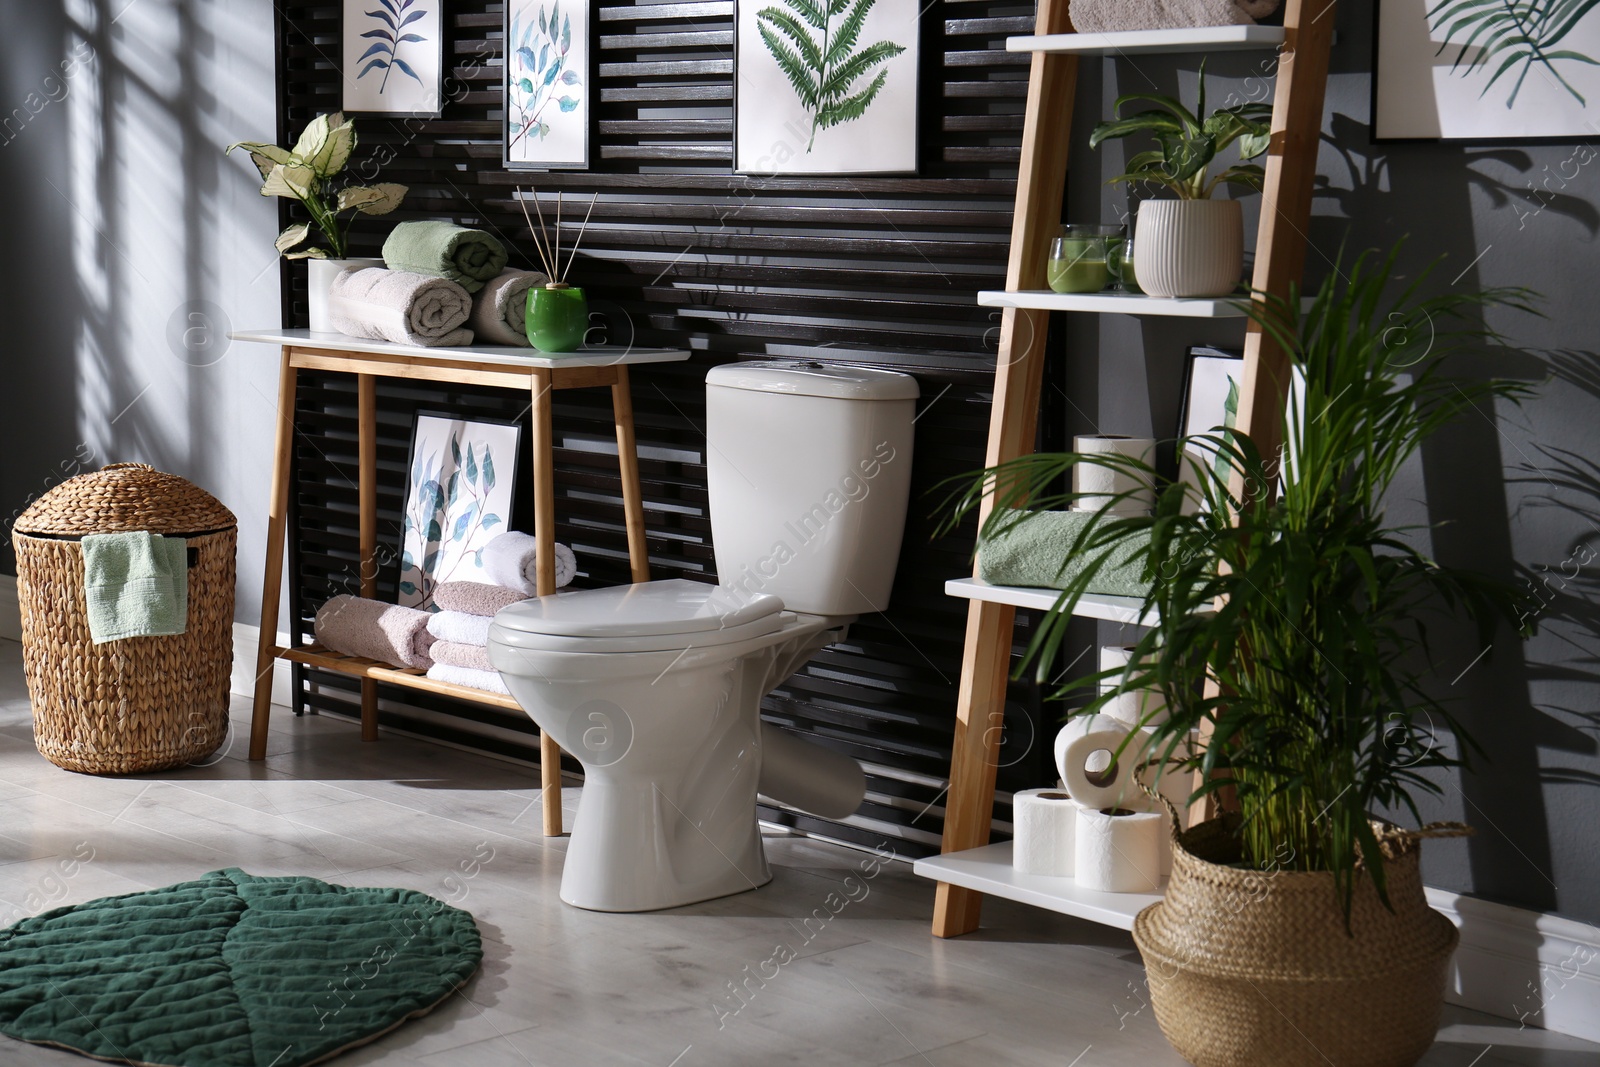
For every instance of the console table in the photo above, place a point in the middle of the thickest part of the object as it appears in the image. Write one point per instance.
(504, 367)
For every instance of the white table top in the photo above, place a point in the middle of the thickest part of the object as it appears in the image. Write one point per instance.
(601, 356)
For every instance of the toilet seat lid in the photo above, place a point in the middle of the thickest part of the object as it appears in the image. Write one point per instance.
(648, 609)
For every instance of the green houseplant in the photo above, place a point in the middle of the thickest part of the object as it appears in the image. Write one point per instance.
(1286, 630)
(307, 173)
(1192, 245)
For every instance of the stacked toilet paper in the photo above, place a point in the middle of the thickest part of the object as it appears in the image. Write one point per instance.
(1104, 485)
(1147, 707)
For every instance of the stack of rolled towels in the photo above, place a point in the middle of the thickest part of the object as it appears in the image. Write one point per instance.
(441, 285)
(451, 643)
(1103, 16)
(1098, 826)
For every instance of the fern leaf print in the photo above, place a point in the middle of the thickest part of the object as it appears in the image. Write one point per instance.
(814, 43)
(1512, 36)
(390, 20)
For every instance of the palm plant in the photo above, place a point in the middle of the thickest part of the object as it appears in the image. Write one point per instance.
(1187, 143)
(1288, 621)
(825, 69)
(1511, 34)
(306, 173)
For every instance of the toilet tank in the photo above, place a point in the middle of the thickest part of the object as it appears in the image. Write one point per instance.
(808, 467)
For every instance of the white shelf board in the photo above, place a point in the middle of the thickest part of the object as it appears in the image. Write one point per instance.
(499, 355)
(1114, 303)
(988, 870)
(1123, 609)
(1150, 42)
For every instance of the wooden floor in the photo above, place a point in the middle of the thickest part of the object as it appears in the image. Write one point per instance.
(566, 987)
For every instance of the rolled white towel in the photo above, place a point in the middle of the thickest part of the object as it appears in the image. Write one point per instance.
(500, 308)
(486, 680)
(398, 306)
(511, 560)
(461, 628)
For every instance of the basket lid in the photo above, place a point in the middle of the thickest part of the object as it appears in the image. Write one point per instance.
(124, 496)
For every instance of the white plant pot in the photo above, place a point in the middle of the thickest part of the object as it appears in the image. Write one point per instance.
(320, 274)
(1189, 247)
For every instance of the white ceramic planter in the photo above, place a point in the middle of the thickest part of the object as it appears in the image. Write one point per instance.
(320, 274)
(1189, 247)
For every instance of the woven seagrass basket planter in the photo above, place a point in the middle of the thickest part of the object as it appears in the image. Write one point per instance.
(141, 703)
(1251, 968)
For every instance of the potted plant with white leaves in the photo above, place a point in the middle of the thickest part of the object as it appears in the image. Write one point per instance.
(1192, 245)
(1288, 633)
(307, 173)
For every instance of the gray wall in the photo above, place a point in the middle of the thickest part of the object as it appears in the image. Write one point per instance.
(1517, 492)
(131, 246)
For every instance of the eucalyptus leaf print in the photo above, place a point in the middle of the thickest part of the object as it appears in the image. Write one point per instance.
(391, 21)
(814, 44)
(541, 70)
(1513, 37)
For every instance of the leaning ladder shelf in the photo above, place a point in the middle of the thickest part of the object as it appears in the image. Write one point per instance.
(969, 866)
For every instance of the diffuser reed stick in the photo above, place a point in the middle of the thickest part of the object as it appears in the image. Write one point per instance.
(550, 251)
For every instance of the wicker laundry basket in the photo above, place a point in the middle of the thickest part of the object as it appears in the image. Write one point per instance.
(141, 703)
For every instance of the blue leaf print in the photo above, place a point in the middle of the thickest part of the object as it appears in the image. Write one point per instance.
(472, 467)
(566, 103)
(434, 533)
(477, 558)
(429, 560)
(455, 486)
(488, 521)
(464, 522)
(384, 54)
(408, 587)
(455, 449)
(488, 468)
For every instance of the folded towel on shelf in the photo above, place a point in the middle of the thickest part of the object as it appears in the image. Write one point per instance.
(459, 627)
(511, 560)
(475, 598)
(500, 310)
(1038, 552)
(136, 584)
(399, 306)
(432, 246)
(455, 654)
(486, 680)
(372, 629)
(1107, 16)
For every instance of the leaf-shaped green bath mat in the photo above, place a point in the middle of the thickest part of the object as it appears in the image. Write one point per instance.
(231, 970)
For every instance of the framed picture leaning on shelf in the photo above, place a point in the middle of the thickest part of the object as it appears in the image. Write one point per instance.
(825, 87)
(1486, 71)
(549, 84)
(393, 55)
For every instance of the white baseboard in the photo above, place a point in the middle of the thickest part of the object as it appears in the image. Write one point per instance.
(1537, 968)
(243, 681)
(10, 609)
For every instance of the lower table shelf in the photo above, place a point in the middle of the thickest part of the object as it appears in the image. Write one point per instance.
(412, 677)
(1124, 609)
(988, 870)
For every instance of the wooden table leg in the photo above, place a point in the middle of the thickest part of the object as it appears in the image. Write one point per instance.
(980, 717)
(272, 579)
(544, 532)
(367, 495)
(628, 466)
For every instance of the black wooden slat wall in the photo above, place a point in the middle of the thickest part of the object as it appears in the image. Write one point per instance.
(681, 252)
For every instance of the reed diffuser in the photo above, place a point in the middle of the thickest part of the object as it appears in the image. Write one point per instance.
(557, 315)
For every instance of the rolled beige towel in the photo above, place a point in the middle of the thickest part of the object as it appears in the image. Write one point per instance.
(500, 309)
(398, 306)
(1109, 16)
(475, 598)
(372, 629)
(456, 654)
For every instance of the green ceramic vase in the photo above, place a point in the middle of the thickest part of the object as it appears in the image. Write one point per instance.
(557, 318)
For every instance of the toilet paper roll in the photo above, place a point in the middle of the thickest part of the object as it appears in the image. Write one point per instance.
(1131, 707)
(1090, 779)
(1044, 826)
(1117, 850)
(1104, 484)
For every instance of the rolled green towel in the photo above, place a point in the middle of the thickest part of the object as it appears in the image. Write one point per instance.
(467, 257)
(1037, 552)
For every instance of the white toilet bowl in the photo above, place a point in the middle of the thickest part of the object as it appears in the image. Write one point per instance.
(656, 690)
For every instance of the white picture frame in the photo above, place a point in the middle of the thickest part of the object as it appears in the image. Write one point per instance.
(460, 484)
(549, 81)
(393, 57)
(782, 122)
(1429, 85)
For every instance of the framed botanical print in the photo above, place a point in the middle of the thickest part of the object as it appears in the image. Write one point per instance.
(825, 87)
(393, 55)
(1486, 70)
(548, 84)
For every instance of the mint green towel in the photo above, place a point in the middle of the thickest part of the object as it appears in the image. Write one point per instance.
(136, 585)
(1037, 552)
(444, 250)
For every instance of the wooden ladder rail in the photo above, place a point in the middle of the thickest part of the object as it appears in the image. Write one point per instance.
(1013, 419)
